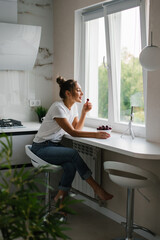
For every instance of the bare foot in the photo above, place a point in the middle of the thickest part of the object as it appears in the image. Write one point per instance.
(103, 195)
(60, 195)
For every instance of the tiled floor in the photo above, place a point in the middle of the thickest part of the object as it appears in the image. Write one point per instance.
(88, 224)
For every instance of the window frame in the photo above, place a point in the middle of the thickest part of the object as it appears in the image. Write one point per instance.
(93, 12)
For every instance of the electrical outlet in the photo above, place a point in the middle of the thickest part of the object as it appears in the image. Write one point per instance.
(34, 103)
(37, 103)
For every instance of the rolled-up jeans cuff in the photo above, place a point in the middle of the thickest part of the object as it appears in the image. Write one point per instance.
(87, 175)
(66, 189)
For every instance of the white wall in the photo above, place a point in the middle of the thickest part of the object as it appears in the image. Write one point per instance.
(153, 89)
(17, 87)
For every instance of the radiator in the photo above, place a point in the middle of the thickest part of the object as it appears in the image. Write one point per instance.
(92, 156)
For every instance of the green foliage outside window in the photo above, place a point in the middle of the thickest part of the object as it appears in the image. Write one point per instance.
(131, 87)
(102, 92)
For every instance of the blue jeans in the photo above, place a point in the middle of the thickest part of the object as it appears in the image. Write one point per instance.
(68, 158)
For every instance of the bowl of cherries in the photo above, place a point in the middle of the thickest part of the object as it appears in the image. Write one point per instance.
(106, 128)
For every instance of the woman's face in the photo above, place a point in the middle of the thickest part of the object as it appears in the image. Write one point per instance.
(77, 93)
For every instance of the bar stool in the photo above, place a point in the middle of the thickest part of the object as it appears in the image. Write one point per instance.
(38, 162)
(130, 177)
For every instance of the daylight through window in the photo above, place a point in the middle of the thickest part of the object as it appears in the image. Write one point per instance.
(111, 75)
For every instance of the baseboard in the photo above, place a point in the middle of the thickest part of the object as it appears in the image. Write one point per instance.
(114, 216)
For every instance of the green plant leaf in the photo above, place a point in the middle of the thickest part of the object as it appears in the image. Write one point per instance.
(21, 204)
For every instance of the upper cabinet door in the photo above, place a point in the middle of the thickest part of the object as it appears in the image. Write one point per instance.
(8, 11)
(19, 46)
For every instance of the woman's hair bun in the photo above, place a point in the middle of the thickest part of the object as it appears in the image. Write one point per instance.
(60, 80)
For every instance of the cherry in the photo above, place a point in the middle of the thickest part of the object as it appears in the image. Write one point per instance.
(104, 127)
(87, 99)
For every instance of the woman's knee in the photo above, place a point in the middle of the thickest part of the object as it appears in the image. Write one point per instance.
(76, 155)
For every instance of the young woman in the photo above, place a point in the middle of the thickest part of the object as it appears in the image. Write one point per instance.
(62, 117)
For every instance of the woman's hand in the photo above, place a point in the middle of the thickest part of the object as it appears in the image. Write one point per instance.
(78, 124)
(87, 106)
(102, 135)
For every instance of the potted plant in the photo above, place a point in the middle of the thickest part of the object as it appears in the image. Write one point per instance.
(21, 208)
(41, 112)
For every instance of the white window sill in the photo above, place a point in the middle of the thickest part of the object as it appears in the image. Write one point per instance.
(139, 130)
(138, 148)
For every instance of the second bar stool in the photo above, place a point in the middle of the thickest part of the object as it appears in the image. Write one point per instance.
(130, 177)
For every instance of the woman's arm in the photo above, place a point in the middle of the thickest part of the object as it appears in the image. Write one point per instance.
(78, 124)
(67, 127)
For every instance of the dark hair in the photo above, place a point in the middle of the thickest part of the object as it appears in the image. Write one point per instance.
(65, 85)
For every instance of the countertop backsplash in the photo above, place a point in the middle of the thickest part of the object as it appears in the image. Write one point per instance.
(18, 87)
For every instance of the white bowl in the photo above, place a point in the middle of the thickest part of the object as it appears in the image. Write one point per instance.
(107, 131)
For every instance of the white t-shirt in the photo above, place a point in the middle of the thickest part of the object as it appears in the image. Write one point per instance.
(49, 129)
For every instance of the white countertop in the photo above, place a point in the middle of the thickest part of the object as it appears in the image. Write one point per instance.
(138, 148)
(27, 127)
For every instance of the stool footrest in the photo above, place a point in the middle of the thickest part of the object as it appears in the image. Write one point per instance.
(135, 226)
(126, 238)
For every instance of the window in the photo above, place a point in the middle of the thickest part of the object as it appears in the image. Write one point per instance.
(109, 38)
(96, 79)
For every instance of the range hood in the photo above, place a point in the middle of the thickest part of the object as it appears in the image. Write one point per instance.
(18, 46)
(18, 43)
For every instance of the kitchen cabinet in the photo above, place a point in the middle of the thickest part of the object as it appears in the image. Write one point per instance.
(19, 156)
(20, 138)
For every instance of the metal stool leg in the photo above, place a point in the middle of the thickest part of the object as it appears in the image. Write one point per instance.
(47, 197)
(129, 225)
(130, 213)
